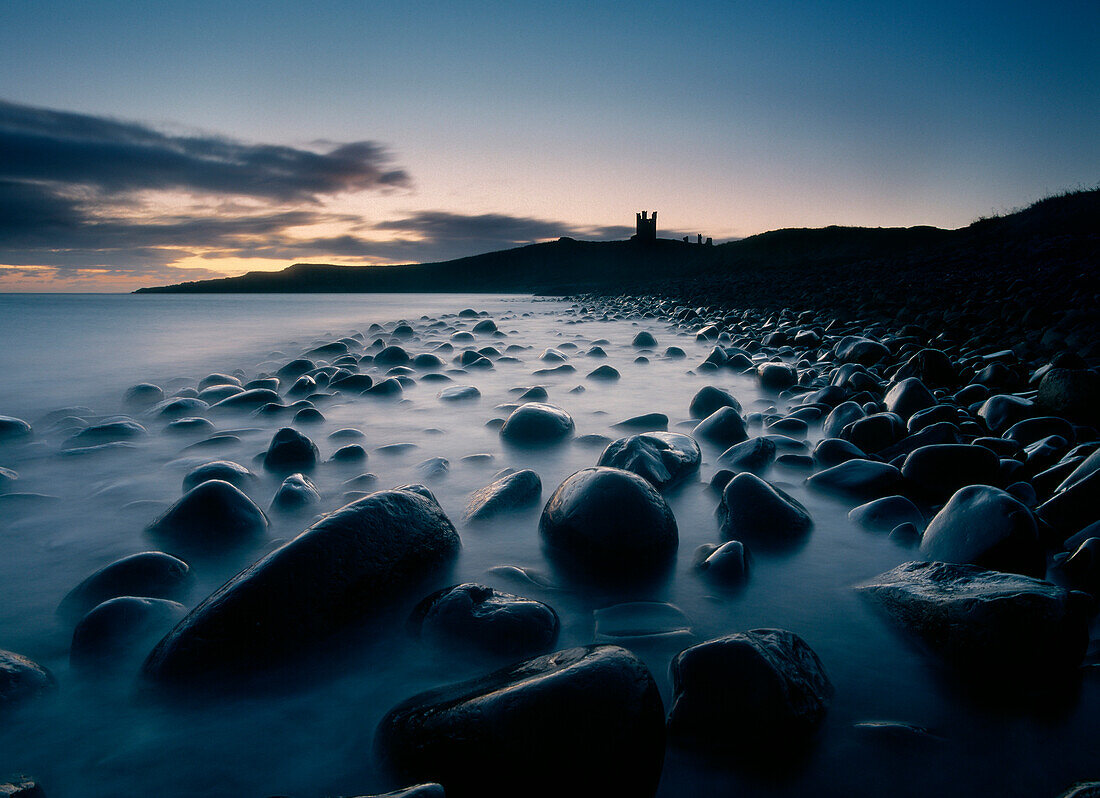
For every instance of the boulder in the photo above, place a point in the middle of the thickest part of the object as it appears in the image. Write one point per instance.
(21, 679)
(482, 619)
(1072, 393)
(755, 455)
(662, 458)
(752, 690)
(908, 397)
(755, 511)
(537, 423)
(985, 526)
(865, 479)
(295, 494)
(142, 396)
(225, 470)
(290, 451)
(724, 427)
(708, 399)
(212, 516)
(13, 429)
(119, 632)
(150, 573)
(511, 491)
(776, 376)
(607, 521)
(337, 573)
(580, 720)
(728, 564)
(941, 469)
(995, 627)
(883, 515)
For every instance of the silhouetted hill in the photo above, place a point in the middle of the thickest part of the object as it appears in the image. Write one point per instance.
(570, 266)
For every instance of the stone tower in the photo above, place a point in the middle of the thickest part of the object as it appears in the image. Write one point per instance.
(647, 227)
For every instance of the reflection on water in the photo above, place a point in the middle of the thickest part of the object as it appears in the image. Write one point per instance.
(309, 731)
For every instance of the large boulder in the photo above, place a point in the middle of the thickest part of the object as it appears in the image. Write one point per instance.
(609, 521)
(864, 479)
(709, 399)
(478, 617)
(512, 491)
(14, 429)
(211, 516)
(662, 458)
(993, 626)
(149, 573)
(225, 470)
(297, 493)
(908, 397)
(1073, 393)
(580, 721)
(724, 427)
(755, 511)
(119, 632)
(335, 574)
(751, 690)
(941, 469)
(985, 526)
(537, 423)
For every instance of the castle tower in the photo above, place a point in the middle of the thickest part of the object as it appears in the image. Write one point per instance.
(646, 227)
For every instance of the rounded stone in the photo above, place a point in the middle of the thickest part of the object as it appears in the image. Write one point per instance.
(662, 458)
(149, 573)
(290, 450)
(708, 399)
(111, 634)
(536, 422)
(753, 510)
(211, 516)
(225, 470)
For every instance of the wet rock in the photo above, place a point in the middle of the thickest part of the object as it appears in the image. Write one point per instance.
(295, 494)
(354, 383)
(473, 616)
(142, 396)
(646, 421)
(1003, 410)
(114, 633)
(485, 327)
(351, 453)
(883, 515)
(875, 432)
(217, 393)
(1031, 430)
(108, 432)
(216, 380)
(635, 622)
(190, 426)
(213, 515)
(938, 471)
(724, 427)
(433, 467)
(750, 690)
(458, 393)
(1072, 393)
(392, 356)
(840, 417)
(537, 423)
(605, 521)
(753, 455)
(308, 415)
(662, 458)
(593, 712)
(1073, 505)
(776, 376)
(985, 526)
(389, 388)
(182, 407)
(859, 478)
(21, 679)
(604, 372)
(907, 397)
(755, 511)
(225, 470)
(644, 339)
(1083, 789)
(294, 369)
(153, 574)
(996, 627)
(21, 787)
(834, 451)
(728, 564)
(856, 349)
(513, 491)
(252, 399)
(290, 450)
(932, 367)
(337, 573)
(708, 399)
(1081, 569)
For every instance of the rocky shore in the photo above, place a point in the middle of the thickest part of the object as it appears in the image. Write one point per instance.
(956, 419)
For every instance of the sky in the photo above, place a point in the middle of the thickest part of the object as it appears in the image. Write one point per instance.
(149, 142)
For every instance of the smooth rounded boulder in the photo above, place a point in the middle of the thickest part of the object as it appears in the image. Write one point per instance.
(537, 423)
(21, 679)
(118, 633)
(708, 399)
(724, 427)
(749, 690)
(584, 720)
(480, 618)
(753, 510)
(225, 470)
(290, 451)
(661, 458)
(148, 573)
(606, 521)
(941, 469)
(295, 494)
(212, 516)
(337, 573)
(985, 526)
(511, 491)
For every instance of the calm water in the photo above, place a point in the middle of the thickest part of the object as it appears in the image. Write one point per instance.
(99, 739)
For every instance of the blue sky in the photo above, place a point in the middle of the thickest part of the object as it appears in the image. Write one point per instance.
(510, 122)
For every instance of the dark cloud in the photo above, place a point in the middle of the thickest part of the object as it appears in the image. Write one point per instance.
(68, 149)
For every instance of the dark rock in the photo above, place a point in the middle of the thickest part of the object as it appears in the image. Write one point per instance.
(225, 470)
(587, 716)
(985, 526)
(708, 399)
(294, 369)
(182, 407)
(1074, 505)
(110, 636)
(212, 515)
(834, 451)
(21, 679)
(252, 399)
(662, 458)
(1031, 430)
(388, 388)
(883, 515)
(604, 372)
(908, 397)
(724, 427)
(142, 396)
(750, 690)
(21, 787)
(646, 421)
(151, 573)
(478, 617)
(932, 366)
(1003, 410)
(512, 491)
(875, 432)
(996, 627)
(108, 432)
(308, 415)
(190, 426)
(433, 467)
(776, 376)
(609, 522)
(859, 478)
(1083, 789)
(841, 416)
(753, 455)
(335, 574)
(351, 453)
(289, 451)
(755, 511)
(855, 349)
(728, 564)
(356, 383)
(392, 356)
(1082, 567)
(296, 493)
(537, 423)
(457, 393)
(940, 470)
(644, 339)
(1072, 393)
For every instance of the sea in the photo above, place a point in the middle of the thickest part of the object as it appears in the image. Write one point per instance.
(899, 723)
